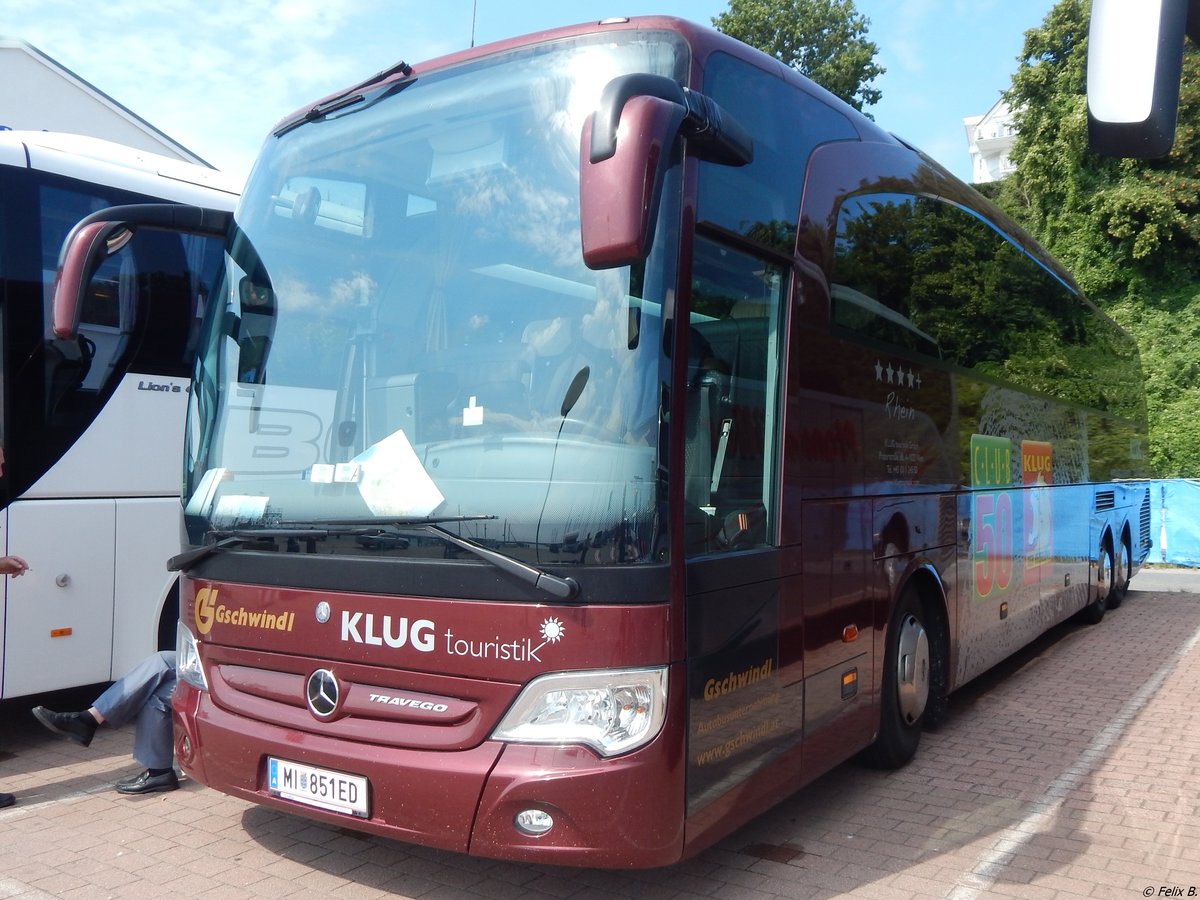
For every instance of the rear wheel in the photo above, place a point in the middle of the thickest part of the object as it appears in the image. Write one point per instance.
(1122, 566)
(1094, 611)
(907, 664)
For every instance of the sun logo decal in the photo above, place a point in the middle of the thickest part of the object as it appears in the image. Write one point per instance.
(552, 631)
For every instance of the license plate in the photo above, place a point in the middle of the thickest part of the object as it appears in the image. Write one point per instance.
(335, 791)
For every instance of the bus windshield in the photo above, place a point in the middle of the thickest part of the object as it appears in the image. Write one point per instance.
(408, 330)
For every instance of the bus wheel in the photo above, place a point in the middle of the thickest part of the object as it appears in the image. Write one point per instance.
(1094, 611)
(906, 686)
(169, 620)
(1121, 568)
(938, 704)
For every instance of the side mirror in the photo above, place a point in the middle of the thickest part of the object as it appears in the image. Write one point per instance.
(105, 232)
(619, 196)
(621, 173)
(86, 247)
(1135, 57)
(255, 330)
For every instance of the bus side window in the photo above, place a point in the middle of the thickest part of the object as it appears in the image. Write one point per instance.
(142, 300)
(932, 278)
(732, 391)
(761, 201)
(737, 296)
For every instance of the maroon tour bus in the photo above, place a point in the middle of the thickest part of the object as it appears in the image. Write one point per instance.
(601, 434)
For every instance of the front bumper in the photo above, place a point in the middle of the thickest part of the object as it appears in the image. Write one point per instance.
(625, 812)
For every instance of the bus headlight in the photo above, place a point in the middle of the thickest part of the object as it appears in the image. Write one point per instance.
(187, 658)
(611, 711)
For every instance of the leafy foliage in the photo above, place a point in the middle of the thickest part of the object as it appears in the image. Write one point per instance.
(822, 39)
(1128, 229)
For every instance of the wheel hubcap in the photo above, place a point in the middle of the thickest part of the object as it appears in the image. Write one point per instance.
(912, 669)
(1122, 565)
(1103, 574)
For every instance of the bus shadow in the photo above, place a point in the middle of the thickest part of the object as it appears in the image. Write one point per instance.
(1018, 753)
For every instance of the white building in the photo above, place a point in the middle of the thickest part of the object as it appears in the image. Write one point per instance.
(989, 141)
(38, 94)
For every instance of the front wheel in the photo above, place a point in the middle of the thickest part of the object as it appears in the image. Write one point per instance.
(168, 620)
(907, 666)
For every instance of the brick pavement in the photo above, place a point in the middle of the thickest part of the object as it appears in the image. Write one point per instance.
(1070, 771)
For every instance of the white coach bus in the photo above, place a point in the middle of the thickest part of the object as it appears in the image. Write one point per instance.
(91, 429)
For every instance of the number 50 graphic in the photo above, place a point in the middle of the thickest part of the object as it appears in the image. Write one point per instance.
(992, 552)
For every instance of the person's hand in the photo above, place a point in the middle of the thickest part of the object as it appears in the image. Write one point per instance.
(13, 565)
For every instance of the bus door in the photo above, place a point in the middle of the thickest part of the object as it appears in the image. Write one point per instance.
(745, 689)
(749, 593)
(62, 608)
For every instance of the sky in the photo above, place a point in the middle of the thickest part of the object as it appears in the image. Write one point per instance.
(216, 75)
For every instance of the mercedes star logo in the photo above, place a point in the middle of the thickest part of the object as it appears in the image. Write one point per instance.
(322, 693)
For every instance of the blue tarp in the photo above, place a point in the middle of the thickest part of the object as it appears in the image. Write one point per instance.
(1175, 523)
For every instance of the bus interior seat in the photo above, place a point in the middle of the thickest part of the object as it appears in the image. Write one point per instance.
(418, 404)
(552, 364)
(723, 455)
(67, 364)
(157, 303)
(486, 376)
(708, 389)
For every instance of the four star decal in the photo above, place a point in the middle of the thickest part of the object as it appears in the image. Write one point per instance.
(897, 375)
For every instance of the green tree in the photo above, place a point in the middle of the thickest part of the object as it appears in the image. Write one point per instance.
(1128, 229)
(1112, 221)
(822, 39)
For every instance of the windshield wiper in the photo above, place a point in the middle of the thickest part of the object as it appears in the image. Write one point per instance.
(369, 525)
(559, 588)
(181, 562)
(348, 97)
(223, 540)
(555, 586)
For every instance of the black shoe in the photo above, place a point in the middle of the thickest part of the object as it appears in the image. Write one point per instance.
(78, 726)
(147, 783)
(7, 800)
(134, 779)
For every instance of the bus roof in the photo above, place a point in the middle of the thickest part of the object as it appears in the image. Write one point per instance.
(82, 156)
(703, 40)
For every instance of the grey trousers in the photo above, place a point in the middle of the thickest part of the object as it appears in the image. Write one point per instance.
(144, 693)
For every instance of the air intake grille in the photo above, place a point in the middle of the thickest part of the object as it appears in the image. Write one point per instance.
(1105, 500)
(1145, 520)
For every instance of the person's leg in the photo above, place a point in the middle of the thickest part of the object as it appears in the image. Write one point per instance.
(153, 742)
(125, 698)
(121, 703)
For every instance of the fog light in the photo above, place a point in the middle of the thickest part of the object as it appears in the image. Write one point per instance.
(183, 749)
(533, 821)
